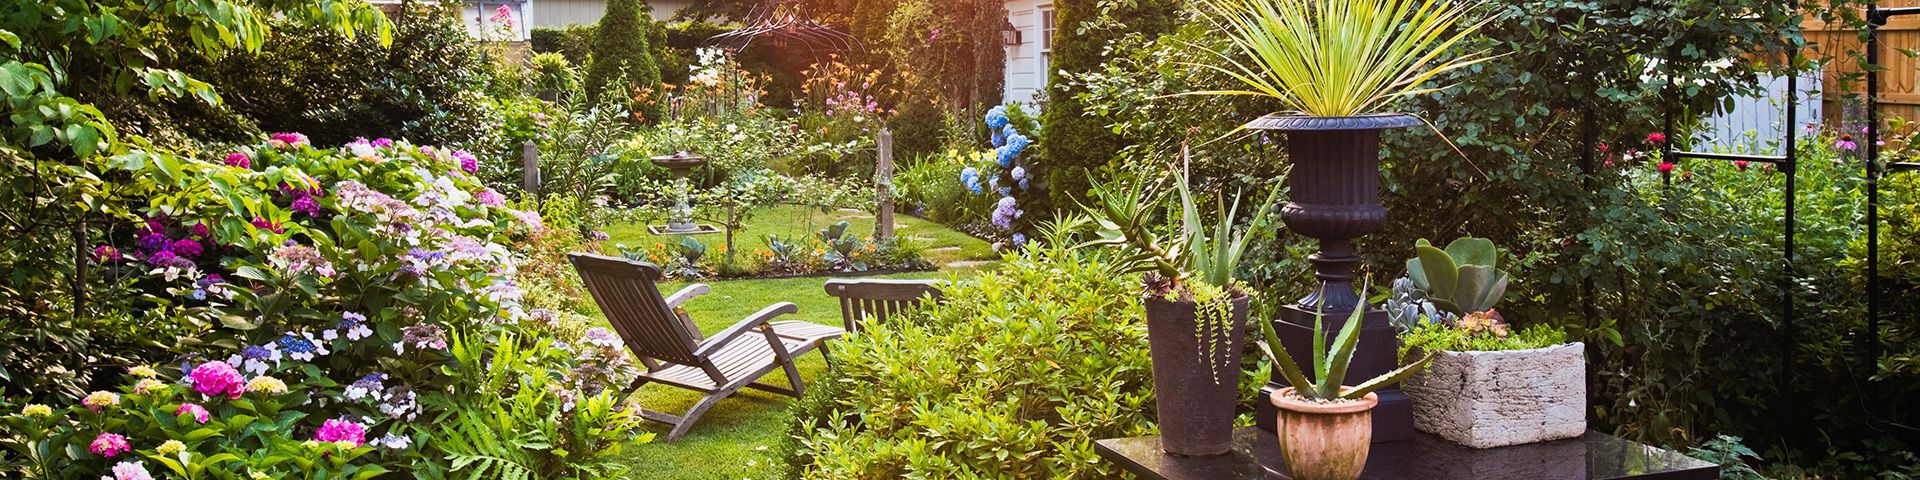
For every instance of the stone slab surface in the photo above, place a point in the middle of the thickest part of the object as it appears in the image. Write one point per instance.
(1256, 456)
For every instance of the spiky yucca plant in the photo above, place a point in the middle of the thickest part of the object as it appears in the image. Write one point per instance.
(1330, 366)
(1338, 58)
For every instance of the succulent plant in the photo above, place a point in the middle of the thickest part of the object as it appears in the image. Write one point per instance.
(1485, 323)
(1330, 361)
(1408, 308)
(1464, 278)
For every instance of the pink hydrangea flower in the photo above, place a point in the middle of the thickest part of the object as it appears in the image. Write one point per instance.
(237, 159)
(284, 139)
(264, 224)
(490, 198)
(338, 430)
(200, 230)
(131, 471)
(199, 413)
(106, 254)
(218, 379)
(109, 445)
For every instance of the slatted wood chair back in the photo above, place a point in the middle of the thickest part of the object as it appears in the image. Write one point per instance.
(628, 294)
(863, 301)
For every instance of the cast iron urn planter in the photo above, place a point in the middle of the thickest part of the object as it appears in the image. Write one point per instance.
(1196, 387)
(1335, 198)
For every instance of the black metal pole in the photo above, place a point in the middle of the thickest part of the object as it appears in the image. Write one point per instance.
(1875, 18)
(1792, 165)
(1666, 127)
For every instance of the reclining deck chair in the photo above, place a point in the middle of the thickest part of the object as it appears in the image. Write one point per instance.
(672, 349)
(863, 301)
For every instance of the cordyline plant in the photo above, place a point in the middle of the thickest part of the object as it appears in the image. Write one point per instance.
(1330, 367)
(1337, 58)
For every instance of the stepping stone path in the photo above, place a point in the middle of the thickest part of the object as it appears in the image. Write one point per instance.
(968, 263)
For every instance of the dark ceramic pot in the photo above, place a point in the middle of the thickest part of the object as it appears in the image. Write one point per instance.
(1196, 389)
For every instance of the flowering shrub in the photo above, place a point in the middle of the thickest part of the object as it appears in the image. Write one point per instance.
(212, 420)
(335, 277)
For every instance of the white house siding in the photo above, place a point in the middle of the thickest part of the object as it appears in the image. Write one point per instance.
(1026, 62)
(560, 13)
(475, 16)
(1756, 121)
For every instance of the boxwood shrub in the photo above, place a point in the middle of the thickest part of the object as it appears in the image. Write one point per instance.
(1014, 377)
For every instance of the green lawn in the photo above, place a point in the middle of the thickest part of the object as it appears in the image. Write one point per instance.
(739, 437)
(800, 222)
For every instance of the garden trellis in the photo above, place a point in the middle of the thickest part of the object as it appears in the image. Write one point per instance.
(1787, 163)
(1876, 18)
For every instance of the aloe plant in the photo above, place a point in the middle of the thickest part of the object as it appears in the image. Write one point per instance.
(1330, 366)
(1333, 58)
(1464, 278)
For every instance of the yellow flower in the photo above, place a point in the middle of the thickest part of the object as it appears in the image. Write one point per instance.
(267, 385)
(143, 371)
(99, 400)
(345, 445)
(172, 447)
(36, 410)
(148, 385)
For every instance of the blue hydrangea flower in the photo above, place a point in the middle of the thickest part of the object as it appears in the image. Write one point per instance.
(971, 178)
(999, 139)
(1019, 173)
(1019, 239)
(1016, 143)
(997, 117)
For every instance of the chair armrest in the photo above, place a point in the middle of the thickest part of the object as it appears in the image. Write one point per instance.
(763, 317)
(686, 294)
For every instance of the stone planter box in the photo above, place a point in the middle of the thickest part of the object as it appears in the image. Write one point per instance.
(1496, 399)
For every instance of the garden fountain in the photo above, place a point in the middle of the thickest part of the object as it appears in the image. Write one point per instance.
(680, 216)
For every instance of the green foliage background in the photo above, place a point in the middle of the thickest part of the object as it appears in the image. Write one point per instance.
(623, 62)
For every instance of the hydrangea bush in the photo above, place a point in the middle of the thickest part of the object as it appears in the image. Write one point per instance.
(330, 282)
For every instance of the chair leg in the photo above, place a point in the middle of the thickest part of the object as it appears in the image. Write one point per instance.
(824, 354)
(693, 415)
(793, 377)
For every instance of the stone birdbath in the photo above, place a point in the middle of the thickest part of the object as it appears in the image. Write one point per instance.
(680, 218)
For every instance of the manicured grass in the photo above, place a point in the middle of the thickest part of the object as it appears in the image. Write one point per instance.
(740, 437)
(800, 222)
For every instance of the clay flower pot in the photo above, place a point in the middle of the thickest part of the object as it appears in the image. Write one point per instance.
(1195, 398)
(1324, 441)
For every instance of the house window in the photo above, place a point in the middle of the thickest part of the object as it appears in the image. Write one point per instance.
(1046, 40)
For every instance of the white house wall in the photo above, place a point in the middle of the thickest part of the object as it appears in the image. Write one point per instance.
(560, 13)
(1026, 68)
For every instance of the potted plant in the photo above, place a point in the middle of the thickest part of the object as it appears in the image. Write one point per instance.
(1337, 66)
(1489, 386)
(1325, 426)
(1196, 309)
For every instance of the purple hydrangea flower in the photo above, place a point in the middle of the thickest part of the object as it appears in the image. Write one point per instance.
(186, 248)
(467, 161)
(155, 242)
(1005, 212)
(306, 204)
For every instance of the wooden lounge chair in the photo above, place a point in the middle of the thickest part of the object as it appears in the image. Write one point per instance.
(672, 349)
(862, 301)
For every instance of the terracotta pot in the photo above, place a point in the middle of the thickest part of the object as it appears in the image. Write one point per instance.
(1324, 441)
(1194, 398)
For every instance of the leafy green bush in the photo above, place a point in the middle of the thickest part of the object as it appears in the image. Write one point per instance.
(1013, 377)
(1078, 141)
(575, 42)
(425, 87)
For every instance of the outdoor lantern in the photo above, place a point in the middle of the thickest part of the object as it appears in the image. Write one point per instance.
(1009, 35)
